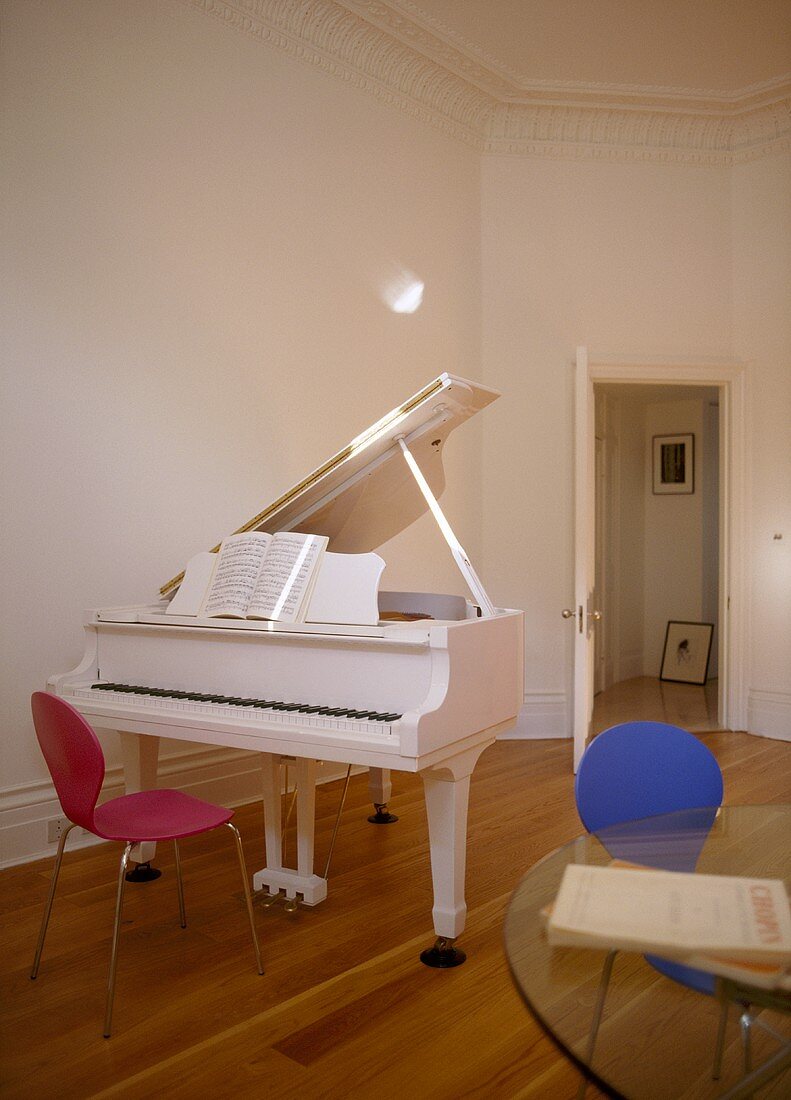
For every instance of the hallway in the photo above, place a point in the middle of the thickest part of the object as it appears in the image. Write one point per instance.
(647, 698)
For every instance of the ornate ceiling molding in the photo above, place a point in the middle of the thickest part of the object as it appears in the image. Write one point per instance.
(381, 50)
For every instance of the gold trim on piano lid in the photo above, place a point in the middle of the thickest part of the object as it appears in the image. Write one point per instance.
(351, 448)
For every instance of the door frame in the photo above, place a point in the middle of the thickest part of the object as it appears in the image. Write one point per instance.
(730, 377)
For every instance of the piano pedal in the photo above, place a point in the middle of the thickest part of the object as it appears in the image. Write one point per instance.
(268, 900)
(443, 954)
(290, 905)
(382, 815)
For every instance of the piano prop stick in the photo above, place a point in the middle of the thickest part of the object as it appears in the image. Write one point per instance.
(390, 681)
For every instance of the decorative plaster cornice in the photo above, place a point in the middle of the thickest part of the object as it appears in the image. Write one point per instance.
(326, 36)
(423, 71)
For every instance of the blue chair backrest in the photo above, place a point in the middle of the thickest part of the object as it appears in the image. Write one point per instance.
(640, 769)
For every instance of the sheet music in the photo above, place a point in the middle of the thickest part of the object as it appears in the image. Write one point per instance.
(238, 565)
(289, 575)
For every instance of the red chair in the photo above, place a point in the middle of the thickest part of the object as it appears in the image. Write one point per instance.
(76, 763)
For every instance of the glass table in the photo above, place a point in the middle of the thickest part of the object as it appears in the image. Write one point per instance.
(656, 1038)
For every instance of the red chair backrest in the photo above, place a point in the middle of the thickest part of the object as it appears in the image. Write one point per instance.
(73, 755)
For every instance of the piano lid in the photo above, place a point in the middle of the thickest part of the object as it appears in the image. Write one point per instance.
(365, 494)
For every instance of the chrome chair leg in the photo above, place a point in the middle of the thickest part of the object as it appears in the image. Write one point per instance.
(744, 1028)
(119, 897)
(50, 899)
(247, 896)
(180, 883)
(604, 982)
(720, 1045)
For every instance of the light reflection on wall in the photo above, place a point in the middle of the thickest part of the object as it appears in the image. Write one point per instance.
(403, 293)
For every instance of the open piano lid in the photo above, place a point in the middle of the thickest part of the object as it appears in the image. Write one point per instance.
(365, 494)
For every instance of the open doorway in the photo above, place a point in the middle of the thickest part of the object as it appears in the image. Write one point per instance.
(657, 553)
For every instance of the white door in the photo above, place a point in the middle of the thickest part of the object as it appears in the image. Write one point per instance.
(583, 615)
(731, 380)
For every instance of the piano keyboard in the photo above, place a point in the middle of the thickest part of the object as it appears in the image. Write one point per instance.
(203, 703)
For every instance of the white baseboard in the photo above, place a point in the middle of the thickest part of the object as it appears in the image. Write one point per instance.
(543, 715)
(229, 777)
(769, 714)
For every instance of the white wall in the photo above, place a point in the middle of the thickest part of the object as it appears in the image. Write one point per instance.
(641, 261)
(662, 551)
(673, 544)
(198, 232)
(629, 660)
(761, 216)
(630, 259)
(710, 485)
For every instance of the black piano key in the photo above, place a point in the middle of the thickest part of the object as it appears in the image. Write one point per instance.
(260, 704)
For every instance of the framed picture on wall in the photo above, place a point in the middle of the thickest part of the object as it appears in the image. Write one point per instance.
(685, 659)
(674, 464)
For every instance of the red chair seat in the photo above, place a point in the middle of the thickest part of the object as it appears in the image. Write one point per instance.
(157, 815)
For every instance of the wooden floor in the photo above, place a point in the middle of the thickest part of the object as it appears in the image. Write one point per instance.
(345, 1008)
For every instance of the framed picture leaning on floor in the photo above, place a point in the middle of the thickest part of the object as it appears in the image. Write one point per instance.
(685, 659)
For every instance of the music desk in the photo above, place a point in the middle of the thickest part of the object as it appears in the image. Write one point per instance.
(656, 1038)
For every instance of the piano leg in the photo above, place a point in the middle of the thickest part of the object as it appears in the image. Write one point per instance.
(140, 756)
(379, 790)
(447, 791)
(275, 877)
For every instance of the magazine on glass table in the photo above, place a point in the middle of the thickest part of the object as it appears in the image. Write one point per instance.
(728, 925)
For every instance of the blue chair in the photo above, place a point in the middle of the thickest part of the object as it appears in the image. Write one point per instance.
(636, 771)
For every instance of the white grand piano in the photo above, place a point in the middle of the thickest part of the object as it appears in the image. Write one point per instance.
(424, 695)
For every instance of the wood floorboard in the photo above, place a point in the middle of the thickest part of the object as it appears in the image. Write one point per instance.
(345, 1008)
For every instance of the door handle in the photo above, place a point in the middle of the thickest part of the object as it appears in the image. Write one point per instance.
(570, 613)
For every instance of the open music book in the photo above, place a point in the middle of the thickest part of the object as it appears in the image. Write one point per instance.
(286, 577)
(673, 914)
(261, 576)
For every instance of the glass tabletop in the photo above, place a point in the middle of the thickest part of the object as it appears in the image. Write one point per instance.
(656, 1038)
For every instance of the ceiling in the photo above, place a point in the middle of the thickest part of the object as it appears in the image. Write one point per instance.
(714, 47)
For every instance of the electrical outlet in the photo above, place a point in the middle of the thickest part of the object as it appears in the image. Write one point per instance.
(56, 826)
